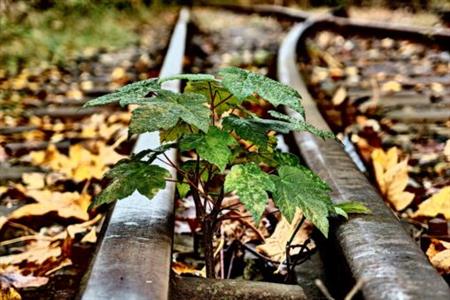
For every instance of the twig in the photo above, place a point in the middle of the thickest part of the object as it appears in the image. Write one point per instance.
(323, 289)
(355, 289)
(222, 264)
(24, 239)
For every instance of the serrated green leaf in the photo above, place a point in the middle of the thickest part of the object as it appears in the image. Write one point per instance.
(298, 124)
(130, 176)
(191, 165)
(190, 77)
(340, 212)
(299, 187)
(152, 153)
(251, 185)
(212, 146)
(176, 132)
(208, 88)
(243, 83)
(164, 111)
(246, 129)
(133, 91)
(183, 189)
(353, 207)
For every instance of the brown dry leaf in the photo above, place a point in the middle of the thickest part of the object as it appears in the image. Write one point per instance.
(67, 205)
(275, 245)
(439, 203)
(19, 281)
(34, 181)
(392, 177)
(439, 254)
(36, 252)
(180, 268)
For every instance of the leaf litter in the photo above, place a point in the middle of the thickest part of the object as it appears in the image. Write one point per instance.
(390, 98)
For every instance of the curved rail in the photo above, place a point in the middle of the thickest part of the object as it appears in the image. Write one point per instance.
(376, 248)
(134, 258)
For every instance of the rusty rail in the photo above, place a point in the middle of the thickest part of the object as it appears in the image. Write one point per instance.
(134, 258)
(375, 248)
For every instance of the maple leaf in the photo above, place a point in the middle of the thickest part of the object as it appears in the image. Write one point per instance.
(251, 185)
(275, 246)
(439, 254)
(130, 176)
(66, 205)
(242, 84)
(392, 177)
(131, 92)
(213, 146)
(439, 203)
(292, 123)
(190, 77)
(164, 110)
(300, 187)
(223, 99)
(246, 129)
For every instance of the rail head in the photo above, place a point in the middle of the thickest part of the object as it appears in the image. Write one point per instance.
(375, 247)
(133, 260)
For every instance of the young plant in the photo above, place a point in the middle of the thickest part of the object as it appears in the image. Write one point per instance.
(231, 148)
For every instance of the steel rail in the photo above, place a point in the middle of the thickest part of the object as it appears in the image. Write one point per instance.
(375, 248)
(133, 261)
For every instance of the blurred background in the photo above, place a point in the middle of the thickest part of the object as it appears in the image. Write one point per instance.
(35, 32)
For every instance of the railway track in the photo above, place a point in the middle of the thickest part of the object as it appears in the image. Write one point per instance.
(134, 256)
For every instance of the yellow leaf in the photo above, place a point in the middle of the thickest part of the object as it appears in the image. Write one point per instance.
(275, 246)
(339, 96)
(34, 181)
(9, 293)
(91, 237)
(439, 203)
(391, 87)
(66, 205)
(392, 177)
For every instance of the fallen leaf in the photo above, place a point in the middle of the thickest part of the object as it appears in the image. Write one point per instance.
(275, 246)
(66, 205)
(392, 177)
(391, 87)
(91, 237)
(20, 281)
(439, 203)
(439, 254)
(34, 181)
(180, 268)
(339, 96)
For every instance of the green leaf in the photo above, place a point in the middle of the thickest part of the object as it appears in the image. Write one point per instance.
(176, 132)
(353, 207)
(243, 84)
(130, 176)
(213, 146)
(164, 111)
(250, 184)
(340, 212)
(206, 88)
(152, 153)
(133, 91)
(246, 129)
(298, 124)
(183, 189)
(299, 187)
(190, 77)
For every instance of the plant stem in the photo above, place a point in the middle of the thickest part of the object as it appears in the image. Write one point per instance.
(208, 235)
